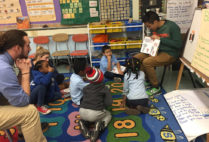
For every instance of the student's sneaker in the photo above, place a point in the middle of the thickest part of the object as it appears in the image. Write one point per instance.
(84, 130)
(43, 109)
(147, 85)
(132, 111)
(143, 109)
(153, 91)
(108, 86)
(44, 126)
(99, 126)
(20, 137)
(117, 79)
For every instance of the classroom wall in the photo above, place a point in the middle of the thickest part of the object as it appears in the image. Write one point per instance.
(50, 32)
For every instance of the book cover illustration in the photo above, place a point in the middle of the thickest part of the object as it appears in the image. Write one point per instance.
(150, 46)
(115, 69)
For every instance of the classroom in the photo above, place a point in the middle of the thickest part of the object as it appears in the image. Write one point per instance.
(104, 71)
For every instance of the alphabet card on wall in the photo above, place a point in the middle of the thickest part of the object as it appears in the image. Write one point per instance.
(150, 46)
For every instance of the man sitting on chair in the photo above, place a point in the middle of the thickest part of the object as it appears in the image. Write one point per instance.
(170, 46)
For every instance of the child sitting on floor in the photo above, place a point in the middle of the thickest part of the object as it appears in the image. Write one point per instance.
(76, 80)
(134, 93)
(44, 54)
(109, 63)
(43, 74)
(92, 109)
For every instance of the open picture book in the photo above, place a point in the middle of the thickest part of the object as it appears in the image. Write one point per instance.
(150, 46)
(191, 110)
(115, 69)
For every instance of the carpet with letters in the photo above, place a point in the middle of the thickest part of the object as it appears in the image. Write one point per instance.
(159, 125)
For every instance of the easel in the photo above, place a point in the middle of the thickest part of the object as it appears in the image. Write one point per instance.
(186, 63)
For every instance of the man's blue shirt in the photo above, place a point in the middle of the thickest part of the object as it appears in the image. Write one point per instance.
(9, 85)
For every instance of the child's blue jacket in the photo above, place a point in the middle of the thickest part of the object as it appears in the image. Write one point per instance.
(47, 80)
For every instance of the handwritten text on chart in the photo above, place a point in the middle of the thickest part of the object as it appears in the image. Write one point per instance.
(186, 8)
(206, 17)
(184, 110)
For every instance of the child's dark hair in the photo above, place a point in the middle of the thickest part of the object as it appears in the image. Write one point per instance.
(105, 47)
(79, 65)
(132, 66)
(39, 64)
(150, 17)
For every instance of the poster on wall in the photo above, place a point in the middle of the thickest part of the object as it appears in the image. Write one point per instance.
(9, 10)
(114, 10)
(181, 12)
(40, 10)
(79, 11)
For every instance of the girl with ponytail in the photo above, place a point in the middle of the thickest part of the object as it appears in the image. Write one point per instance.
(135, 97)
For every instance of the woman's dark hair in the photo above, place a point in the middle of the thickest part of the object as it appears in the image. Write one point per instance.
(150, 17)
(105, 47)
(39, 64)
(132, 66)
(11, 38)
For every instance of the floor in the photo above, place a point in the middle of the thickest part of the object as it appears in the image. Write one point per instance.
(169, 82)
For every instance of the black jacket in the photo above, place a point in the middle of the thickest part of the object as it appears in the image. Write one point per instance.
(96, 97)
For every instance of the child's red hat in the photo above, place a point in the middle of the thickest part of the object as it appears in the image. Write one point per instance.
(94, 75)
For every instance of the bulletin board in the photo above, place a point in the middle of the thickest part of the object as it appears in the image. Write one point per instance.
(9, 10)
(113, 10)
(40, 10)
(36, 10)
(79, 11)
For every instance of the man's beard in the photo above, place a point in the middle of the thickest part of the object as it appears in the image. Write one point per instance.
(22, 56)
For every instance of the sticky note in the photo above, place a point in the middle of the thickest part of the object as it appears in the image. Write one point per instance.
(80, 10)
(73, 15)
(92, 3)
(70, 10)
(74, 10)
(79, 4)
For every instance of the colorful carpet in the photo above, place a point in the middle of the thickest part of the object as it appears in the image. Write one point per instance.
(159, 125)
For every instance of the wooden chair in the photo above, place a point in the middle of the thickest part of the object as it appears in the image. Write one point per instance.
(79, 38)
(40, 40)
(60, 38)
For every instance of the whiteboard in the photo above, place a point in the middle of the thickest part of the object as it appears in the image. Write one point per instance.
(193, 36)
